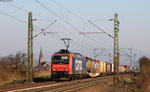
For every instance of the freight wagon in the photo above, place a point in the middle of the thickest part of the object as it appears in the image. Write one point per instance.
(92, 67)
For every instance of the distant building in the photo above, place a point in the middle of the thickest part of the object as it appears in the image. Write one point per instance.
(43, 65)
(41, 58)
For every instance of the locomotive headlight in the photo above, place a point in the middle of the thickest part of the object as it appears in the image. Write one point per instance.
(54, 69)
(66, 69)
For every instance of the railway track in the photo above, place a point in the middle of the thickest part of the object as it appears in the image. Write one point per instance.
(58, 86)
(78, 85)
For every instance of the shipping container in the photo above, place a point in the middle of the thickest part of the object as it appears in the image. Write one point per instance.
(102, 68)
(108, 68)
(88, 64)
(112, 68)
(105, 68)
(92, 67)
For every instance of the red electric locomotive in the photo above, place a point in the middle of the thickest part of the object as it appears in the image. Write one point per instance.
(65, 64)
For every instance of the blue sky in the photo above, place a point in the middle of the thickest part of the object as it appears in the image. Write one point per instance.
(133, 16)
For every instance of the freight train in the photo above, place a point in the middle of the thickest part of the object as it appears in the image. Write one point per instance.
(66, 64)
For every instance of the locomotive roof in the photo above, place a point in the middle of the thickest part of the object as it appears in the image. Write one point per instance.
(63, 51)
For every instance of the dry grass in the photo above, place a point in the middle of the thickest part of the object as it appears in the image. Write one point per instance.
(5, 74)
(108, 86)
(104, 87)
(8, 74)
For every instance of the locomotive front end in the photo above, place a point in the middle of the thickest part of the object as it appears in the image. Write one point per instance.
(61, 65)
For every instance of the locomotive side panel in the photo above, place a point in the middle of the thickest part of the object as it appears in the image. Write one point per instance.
(79, 66)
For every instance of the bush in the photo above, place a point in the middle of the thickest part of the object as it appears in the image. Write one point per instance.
(144, 81)
(5, 72)
(13, 67)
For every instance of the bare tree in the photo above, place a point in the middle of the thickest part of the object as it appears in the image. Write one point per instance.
(18, 64)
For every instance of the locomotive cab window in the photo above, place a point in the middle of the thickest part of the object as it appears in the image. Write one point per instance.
(61, 60)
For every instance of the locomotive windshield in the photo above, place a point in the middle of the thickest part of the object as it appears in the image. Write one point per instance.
(61, 60)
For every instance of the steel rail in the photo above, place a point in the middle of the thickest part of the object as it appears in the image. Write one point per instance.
(76, 86)
(64, 85)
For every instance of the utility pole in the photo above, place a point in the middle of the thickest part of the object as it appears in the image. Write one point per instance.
(30, 59)
(116, 50)
(116, 47)
(130, 57)
(134, 62)
(30, 48)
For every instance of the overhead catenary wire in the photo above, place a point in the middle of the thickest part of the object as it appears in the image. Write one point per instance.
(27, 23)
(54, 1)
(101, 29)
(79, 16)
(60, 6)
(67, 10)
(13, 17)
(56, 15)
(74, 35)
(17, 19)
(91, 38)
(49, 25)
(76, 43)
(61, 18)
(21, 9)
(109, 35)
(109, 46)
(44, 29)
(125, 53)
(55, 35)
(34, 14)
(72, 13)
(16, 7)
